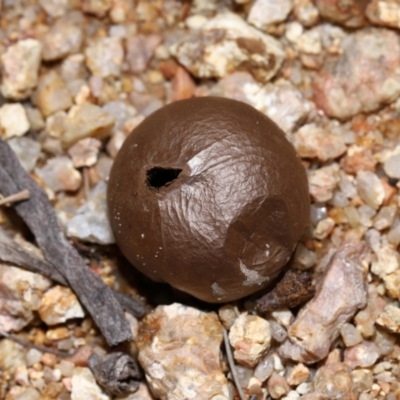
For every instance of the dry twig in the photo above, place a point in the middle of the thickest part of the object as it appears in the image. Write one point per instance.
(12, 252)
(117, 372)
(26, 343)
(39, 215)
(232, 365)
(23, 195)
(294, 289)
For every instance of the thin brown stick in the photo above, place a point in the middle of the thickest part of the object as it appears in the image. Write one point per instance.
(22, 195)
(27, 343)
(232, 365)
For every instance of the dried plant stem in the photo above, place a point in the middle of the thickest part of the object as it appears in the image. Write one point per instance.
(13, 253)
(39, 215)
(232, 365)
(22, 195)
(86, 183)
(26, 343)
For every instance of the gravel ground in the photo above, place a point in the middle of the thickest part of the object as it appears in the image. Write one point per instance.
(78, 76)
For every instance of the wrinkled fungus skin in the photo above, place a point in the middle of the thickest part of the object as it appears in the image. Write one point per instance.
(233, 204)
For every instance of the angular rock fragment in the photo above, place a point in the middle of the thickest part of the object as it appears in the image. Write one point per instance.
(59, 304)
(391, 163)
(323, 182)
(332, 382)
(307, 42)
(55, 8)
(52, 94)
(90, 222)
(370, 188)
(20, 296)
(86, 120)
(179, 351)
(389, 318)
(277, 386)
(97, 7)
(358, 159)
(362, 355)
(387, 261)
(13, 120)
(350, 335)
(264, 13)
(298, 374)
(370, 55)
(384, 12)
(140, 50)
(84, 152)
(312, 141)
(226, 43)
(19, 69)
(59, 174)
(250, 336)
(366, 318)
(348, 13)
(27, 150)
(280, 101)
(104, 57)
(62, 39)
(306, 12)
(84, 386)
(339, 295)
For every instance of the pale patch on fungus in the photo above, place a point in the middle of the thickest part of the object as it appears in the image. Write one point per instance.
(218, 291)
(252, 277)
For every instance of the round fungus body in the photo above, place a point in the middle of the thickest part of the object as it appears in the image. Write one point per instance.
(208, 195)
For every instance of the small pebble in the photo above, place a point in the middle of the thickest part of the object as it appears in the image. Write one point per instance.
(86, 120)
(277, 386)
(33, 356)
(84, 386)
(350, 335)
(58, 305)
(20, 67)
(370, 188)
(323, 182)
(59, 174)
(90, 222)
(389, 318)
(362, 355)
(297, 375)
(13, 120)
(27, 150)
(84, 152)
(51, 94)
(250, 336)
(104, 57)
(267, 12)
(264, 368)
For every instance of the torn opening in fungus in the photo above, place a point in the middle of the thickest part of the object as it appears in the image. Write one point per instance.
(158, 177)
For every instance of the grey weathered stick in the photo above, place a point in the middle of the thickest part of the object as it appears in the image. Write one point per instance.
(12, 252)
(39, 215)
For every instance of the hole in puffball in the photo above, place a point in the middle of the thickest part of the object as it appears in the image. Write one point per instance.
(159, 177)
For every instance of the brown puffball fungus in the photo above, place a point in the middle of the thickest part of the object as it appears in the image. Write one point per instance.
(208, 195)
